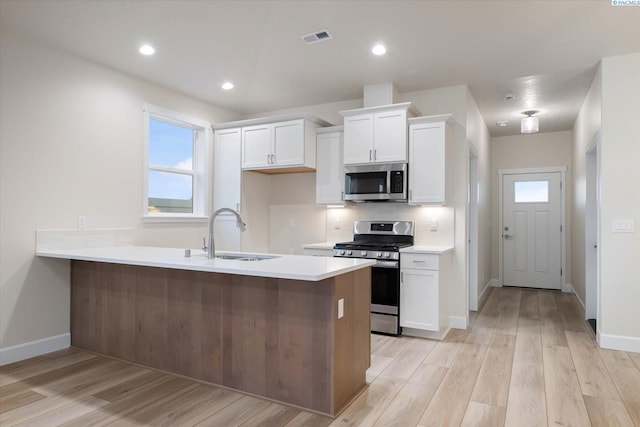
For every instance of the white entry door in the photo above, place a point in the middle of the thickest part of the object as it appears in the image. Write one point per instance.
(531, 230)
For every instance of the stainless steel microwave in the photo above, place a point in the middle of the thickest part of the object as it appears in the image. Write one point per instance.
(382, 182)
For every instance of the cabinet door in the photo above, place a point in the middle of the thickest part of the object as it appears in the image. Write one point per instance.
(427, 164)
(419, 299)
(358, 139)
(256, 146)
(288, 142)
(329, 169)
(390, 136)
(227, 173)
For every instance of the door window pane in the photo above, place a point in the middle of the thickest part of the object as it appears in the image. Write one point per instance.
(531, 192)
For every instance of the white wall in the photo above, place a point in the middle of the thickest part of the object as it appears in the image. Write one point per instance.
(480, 140)
(71, 144)
(620, 177)
(550, 149)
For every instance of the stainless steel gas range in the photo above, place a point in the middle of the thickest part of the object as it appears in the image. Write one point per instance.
(381, 240)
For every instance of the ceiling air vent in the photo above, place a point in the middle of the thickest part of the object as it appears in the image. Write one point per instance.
(316, 37)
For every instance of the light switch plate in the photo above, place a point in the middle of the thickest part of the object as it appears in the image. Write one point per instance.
(340, 308)
(623, 226)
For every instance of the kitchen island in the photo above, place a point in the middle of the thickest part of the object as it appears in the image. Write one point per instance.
(268, 327)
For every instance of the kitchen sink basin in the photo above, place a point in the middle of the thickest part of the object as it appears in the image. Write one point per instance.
(246, 257)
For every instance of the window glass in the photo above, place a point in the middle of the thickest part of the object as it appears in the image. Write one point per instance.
(170, 146)
(170, 192)
(531, 192)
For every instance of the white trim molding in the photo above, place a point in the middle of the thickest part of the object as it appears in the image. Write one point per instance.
(35, 348)
(482, 298)
(573, 290)
(618, 342)
(458, 322)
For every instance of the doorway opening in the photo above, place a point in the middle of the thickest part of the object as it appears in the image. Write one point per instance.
(592, 235)
(472, 227)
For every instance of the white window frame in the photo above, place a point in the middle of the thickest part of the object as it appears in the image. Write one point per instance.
(201, 166)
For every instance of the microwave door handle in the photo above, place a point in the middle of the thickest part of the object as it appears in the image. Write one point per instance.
(389, 182)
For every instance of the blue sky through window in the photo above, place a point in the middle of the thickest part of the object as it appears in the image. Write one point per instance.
(170, 146)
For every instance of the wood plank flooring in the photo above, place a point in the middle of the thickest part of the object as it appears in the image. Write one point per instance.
(528, 359)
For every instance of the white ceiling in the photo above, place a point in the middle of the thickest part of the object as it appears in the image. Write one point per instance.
(544, 52)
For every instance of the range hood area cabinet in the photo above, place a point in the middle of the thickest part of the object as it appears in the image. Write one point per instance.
(278, 144)
(430, 149)
(329, 166)
(376, 134)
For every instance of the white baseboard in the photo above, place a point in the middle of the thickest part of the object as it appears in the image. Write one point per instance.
(495, 283)
(35, 348)
(484, 295)
(567, 288)
(618, 342)
(458, 322)
(434, 335)
(573, 290)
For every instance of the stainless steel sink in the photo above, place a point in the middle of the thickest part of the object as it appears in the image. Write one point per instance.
(246, 257)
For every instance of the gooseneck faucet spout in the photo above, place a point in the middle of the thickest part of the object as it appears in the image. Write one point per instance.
(239, 223)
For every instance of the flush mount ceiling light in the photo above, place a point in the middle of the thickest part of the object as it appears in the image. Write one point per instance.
(379, 50)
(147, 50)
(502, 123)
(227, 86)
(529, 124)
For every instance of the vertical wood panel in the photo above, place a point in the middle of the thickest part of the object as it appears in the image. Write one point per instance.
(271, 337)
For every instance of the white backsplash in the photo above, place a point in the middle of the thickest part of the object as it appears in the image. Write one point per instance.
(340, 221)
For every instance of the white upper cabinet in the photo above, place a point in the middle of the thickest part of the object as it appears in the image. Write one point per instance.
(288, 143)
(227, 176)
(360, 146)
(376, 134)
(277, 144)
(329, 166)
(256, 146)
(430, 146)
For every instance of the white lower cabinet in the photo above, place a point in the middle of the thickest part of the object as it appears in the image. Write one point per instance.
(424, 290)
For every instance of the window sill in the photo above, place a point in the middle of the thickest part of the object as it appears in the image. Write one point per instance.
(174, 219)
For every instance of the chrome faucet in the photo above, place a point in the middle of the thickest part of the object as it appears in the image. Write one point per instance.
(211, 250)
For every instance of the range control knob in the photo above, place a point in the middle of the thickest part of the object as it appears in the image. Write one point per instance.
(364, 253)
(349, 253)
(396, 255)
(387, 255)
(342, 252)
(379, 254)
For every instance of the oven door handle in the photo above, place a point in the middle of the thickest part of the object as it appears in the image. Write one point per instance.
(386, 264)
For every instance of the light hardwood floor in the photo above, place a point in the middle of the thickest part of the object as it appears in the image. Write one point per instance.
(528, 359)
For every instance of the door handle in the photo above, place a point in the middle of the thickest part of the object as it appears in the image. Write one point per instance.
(370, 154)
(508, 236)
(375, 155)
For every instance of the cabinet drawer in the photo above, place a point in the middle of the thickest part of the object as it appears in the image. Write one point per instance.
(420, 261)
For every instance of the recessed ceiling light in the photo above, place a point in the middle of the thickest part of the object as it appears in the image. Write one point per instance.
(502, 123)
(146, 49)
(227, 86)
(379, 50)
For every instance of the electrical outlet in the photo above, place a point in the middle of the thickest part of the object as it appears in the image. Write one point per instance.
(340, 308)
(82, 221)
(623, 226)
(292, 223)
(434, 225)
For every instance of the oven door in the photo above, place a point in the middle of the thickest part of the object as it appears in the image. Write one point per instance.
(385, 287)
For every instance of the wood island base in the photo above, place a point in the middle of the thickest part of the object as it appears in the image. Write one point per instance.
(277, 338)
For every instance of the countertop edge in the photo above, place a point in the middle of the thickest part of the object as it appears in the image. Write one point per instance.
(72, 254)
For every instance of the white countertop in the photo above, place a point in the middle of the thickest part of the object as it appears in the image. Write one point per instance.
(297, 267)
(427, 249)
